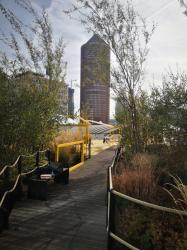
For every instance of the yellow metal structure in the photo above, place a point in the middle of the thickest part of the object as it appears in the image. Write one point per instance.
(86, 124)
(87, 138)
(68, 144)
(74, 132)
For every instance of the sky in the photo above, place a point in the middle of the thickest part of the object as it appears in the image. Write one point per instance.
(168, 45)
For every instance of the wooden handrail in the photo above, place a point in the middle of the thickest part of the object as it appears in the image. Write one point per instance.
(112, 191)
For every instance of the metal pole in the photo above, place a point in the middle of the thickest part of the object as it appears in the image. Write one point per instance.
(82, 152)
(89, 148)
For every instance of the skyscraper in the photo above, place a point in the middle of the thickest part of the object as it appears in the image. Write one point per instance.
(95, 80)
(70, 101)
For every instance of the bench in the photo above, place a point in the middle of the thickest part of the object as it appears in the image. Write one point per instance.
(38, 188)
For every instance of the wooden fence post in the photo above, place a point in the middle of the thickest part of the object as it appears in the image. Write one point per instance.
(82, 152)
(6, 178)
(89, 148)
(19, 190)
(56, 153)
(111, 225)
(37, 158)
(20, 165)
(49, 156)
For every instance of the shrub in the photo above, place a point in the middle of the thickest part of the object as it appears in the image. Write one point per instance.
(143, 227)
(70, 156)
(173, 162)
(148, 229)
(64, 159)
(68, 136)
(138, 179)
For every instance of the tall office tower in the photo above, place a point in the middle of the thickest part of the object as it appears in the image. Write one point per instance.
(70, 101)
(95, 80)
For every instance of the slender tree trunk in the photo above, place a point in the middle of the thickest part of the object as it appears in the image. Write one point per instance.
(135, 129)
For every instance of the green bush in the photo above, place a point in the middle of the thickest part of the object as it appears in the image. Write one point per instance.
(172, 162)
(149, 229)
(64, 159)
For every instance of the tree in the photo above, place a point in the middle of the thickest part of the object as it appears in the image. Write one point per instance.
(29, 99)
(184, 4)
(169, 109)
(143, 110)
(43, 55)
(125, 32)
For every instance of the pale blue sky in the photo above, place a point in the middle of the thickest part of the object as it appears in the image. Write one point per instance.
(168, 46)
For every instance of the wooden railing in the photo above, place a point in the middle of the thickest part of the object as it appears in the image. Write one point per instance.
(24, 165)
(112, 196)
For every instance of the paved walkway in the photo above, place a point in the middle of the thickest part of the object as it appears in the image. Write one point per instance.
(73, 218)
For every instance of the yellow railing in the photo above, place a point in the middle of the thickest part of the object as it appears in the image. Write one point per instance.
(68, 144)
(80, 132)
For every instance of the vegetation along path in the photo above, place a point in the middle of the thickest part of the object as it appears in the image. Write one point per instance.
(73, 217)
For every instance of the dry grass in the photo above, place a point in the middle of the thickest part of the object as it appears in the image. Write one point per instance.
(178, 193)
(138, 179)
(68, 136)
(143, 161)
(147, 228)
(65, 137)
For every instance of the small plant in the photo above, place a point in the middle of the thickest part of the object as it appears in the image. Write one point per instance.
(65, 159)
(178, 192)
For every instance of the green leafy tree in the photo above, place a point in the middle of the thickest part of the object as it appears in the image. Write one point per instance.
(29, 98)
(122, 117)
(169, 110)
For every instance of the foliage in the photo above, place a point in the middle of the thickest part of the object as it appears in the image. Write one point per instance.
(150, 229)
(122, 116)
(168, 108)
(172, 161)
(180, 198)
(184, 4)
(40, 54)
(29, 99)
(162, 116)
(70, 156)
(143, 227)
(69, 134)
(65, 158)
